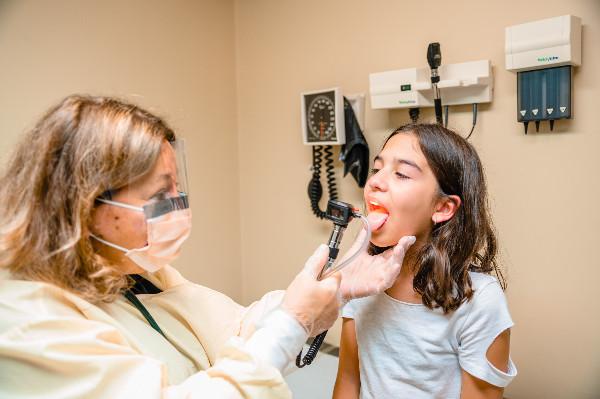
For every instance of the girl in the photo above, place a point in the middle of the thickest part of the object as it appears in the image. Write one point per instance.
(443, 329)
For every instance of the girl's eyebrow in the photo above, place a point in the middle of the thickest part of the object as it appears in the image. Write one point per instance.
(400, 161)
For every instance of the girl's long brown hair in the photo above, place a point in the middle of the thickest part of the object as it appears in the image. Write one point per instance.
(79, 149)
(467, 241)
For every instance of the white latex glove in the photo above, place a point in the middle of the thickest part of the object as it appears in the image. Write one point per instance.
(315, 304)
(369, 275)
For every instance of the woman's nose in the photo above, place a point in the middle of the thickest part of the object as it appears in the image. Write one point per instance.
(173, 192)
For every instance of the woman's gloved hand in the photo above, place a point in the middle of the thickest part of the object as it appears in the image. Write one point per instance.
(371, 274)
(315, 304)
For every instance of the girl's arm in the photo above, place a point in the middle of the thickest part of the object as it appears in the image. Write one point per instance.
(347, 384)
(497, 354)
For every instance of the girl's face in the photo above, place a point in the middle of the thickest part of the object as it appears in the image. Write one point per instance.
(403, 186)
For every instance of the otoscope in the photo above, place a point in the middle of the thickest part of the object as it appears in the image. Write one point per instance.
(434, 58)
(341, 214)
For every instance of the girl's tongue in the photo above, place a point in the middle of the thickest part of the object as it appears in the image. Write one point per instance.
(376, 220)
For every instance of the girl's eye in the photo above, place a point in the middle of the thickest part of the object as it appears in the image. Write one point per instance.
(401, 176)
(374, 171)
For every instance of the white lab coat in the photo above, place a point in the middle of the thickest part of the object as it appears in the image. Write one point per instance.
(53, 344)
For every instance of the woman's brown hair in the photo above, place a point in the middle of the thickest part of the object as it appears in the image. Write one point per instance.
(82, 147)
(467, 241)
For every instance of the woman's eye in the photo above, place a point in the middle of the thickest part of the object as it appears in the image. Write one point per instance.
(401, 176)
(374, 171)
(161, 195)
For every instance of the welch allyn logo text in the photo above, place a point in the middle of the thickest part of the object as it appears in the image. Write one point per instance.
(547, 59)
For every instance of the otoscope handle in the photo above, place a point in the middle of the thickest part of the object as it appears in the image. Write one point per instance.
(437, 102)
(434, 59)
(334, 248)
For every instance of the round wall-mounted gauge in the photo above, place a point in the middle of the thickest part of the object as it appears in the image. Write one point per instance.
(323, 117)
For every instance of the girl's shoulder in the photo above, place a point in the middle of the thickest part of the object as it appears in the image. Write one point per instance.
(488, 296)
(481, 280)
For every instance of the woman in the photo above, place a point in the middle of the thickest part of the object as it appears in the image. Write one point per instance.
(93, 208)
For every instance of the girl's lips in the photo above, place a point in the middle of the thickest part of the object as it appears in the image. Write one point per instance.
(377, 220)
(375, 206)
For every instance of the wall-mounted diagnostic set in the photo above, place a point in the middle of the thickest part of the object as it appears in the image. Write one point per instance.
(450, 84)
(543, 54)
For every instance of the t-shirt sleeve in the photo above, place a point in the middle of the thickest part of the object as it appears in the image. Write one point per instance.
(488, 316)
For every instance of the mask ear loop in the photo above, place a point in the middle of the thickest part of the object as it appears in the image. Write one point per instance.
(120, 204)
(110, 244)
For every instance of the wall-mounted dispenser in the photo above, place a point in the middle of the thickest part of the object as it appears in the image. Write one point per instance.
(543, 53)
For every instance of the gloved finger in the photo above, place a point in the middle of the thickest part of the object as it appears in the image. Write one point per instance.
(387, 254)
(335, 278)
(315, 263)
(391, 274)
(402, 246)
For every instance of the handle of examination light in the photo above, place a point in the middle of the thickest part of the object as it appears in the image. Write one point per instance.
(434, 59)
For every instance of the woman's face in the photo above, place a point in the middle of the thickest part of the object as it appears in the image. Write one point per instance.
(126, 227)
(403, 186)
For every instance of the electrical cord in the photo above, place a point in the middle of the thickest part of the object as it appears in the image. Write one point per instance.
(414, 114)
(330, 172)
(315, 189)
(311, 353)
(474, 120)
(315, 192)
(446, 112)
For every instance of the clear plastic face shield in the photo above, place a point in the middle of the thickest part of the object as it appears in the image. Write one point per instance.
(149, 218)
(162, 190)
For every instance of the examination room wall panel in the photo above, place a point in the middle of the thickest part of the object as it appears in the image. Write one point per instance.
(176, 58)
(544, 187)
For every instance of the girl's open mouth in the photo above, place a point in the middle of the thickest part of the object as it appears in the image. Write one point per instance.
(378, 215)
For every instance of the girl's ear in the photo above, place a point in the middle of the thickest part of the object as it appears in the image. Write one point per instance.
(445, 208)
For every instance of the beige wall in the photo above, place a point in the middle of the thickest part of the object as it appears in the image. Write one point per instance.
(544, 187)
(182, 60)
(176, 58)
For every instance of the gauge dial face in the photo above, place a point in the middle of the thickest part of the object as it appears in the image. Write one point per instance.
(320, 117)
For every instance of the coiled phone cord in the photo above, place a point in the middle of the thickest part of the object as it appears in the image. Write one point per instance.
(315, 189)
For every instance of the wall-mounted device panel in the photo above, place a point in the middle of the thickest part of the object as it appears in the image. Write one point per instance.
(543, 53)
(545, 43)
(462, 83)
(544, 94)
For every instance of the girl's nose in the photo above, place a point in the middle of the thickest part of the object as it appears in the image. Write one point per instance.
(378, 181)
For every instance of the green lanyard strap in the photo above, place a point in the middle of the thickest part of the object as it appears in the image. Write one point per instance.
(136, 302)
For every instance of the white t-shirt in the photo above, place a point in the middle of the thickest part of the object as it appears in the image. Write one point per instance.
(407, 350)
